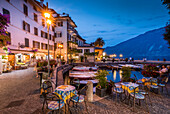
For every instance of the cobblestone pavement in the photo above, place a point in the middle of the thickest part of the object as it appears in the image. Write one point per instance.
(19, 94)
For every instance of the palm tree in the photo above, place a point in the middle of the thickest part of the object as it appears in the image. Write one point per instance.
(99, 42)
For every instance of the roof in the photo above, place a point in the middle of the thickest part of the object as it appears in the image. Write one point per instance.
(67, 17)
(80, 37)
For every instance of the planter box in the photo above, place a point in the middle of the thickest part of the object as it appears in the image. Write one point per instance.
(101, 92)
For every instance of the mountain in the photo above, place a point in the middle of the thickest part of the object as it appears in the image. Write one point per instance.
(150, 45)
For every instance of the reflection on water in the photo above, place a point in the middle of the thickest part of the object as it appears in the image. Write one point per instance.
(116, 75)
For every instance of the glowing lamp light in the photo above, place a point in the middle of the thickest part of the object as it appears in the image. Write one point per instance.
(49, 21)
(60, 45)
(104, 54)
(121, 55)
(47, 15)
(114, 55)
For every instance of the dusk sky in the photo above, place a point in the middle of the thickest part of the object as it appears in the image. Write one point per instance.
(114, 20)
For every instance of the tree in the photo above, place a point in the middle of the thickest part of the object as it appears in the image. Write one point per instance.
(99, 42)
(4, 39)
(167, 28)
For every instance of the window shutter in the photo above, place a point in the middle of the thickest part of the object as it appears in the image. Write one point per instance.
(28, 27)
(24, 25)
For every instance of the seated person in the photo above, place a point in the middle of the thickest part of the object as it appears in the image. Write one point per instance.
(163, 74)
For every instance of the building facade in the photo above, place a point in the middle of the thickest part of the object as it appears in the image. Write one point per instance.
(29, 36)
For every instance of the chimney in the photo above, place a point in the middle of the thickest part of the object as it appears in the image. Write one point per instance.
(41, 2)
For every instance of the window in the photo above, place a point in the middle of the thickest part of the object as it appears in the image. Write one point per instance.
(35, 17)
(80, 50)
(34, 7)
(36, 44)
(53, 28)
(46, 35)
(53, 38)
(25, 10)
(86, 50)
(46, 46)
(58, 34)
(9, 35)
(26, 42)
(51, 47)
(60, 24)
(6, 13)
(43, 22)
(42, 33)
(36, 31)
(43, 46)
(26, 26)
(50, 37)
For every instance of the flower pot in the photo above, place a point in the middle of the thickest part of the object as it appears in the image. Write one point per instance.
(101, 92)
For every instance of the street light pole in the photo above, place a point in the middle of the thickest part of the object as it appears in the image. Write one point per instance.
(48, 27)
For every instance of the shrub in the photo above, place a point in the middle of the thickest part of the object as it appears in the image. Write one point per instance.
(101, 76)
(126, 74)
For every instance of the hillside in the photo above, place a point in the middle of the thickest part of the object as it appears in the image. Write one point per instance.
(150, 45)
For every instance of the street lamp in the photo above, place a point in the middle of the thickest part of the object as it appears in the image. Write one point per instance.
(47, 16)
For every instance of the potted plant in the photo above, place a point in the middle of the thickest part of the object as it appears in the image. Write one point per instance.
(126, 73)
(102, 85)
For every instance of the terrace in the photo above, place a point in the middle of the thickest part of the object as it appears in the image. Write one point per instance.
(15, 98)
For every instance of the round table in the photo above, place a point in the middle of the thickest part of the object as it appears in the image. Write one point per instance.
(65, 92)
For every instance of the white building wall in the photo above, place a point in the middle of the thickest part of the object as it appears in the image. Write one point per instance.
(18, 35)
(62, 39)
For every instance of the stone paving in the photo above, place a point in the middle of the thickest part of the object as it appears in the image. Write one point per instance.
(19, 94)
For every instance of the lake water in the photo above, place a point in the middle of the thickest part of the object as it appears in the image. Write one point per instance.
(116, 75)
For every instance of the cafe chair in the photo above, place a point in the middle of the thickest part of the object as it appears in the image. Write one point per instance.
(117, 90)
(145, 92)
(76, 83)
(47, 88)
(164, 85)
(52, 104)
(154, 85)
(80, 97)
(137, 95)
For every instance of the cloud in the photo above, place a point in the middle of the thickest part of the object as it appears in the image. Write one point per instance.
(121, 33)
(96, 25)
(148, 26)
(102, 31)
(156, 17)
(122, 20)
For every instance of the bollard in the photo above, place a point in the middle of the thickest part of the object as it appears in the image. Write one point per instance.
(89, 91)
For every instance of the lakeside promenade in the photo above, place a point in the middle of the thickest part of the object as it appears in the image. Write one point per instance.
(138, 62)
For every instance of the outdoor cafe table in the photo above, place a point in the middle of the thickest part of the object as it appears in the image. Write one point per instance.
(65, 92)
(129, 86)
